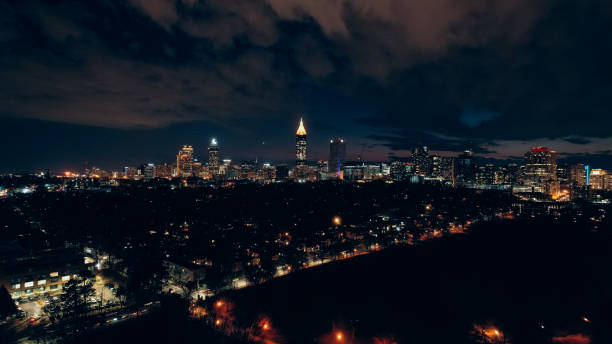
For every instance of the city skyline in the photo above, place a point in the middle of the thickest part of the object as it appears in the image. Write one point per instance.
(303, 145)
(154, 75)
(305, 171)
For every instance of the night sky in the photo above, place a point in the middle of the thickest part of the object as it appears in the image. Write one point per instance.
(116, 83)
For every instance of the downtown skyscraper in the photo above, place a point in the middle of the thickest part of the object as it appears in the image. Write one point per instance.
(184, 162)
(213, 157)
(541, 170)
(301, 146)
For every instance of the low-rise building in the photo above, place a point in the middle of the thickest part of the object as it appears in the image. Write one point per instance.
(32, 275)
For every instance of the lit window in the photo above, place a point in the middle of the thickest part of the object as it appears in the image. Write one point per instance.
(28, 292)
(66, 278)
(54, 274)
(16, 294)
(16, 286)
(29, 284)
(53, 287)
(40, 282)
(41, 289)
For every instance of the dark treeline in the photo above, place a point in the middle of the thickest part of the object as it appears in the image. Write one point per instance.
(112, 220)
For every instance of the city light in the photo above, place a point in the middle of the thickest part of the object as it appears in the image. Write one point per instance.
(337, 220)
(159, 182)
(339, 336)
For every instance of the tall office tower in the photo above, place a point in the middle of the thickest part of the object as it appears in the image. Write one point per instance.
(148, 171)
(443, 167)
(400, 170)
(421, 160)
(184, 162)
(577, 175)
(129, 172)
(213, 157)
(541, 170)
(513, 174)
(248, 170)
(563, 174)
(485, 175)
(337, 155)
(597, 179)
(267, 173)
(301, 145)
(466, 168)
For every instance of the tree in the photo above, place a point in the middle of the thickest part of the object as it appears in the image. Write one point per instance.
(73, 303)
(214, 279)
(146, 274)
(121, 293)
(7, 305)
(188, 288)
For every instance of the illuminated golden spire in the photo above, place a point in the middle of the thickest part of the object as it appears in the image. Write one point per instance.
(301, 130)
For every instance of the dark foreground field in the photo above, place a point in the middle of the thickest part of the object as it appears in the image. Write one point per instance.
(537, 283)
(516, 276)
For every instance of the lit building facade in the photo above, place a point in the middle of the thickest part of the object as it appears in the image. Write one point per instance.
(577, 175)
(213, 157)
(184, 162)
(541, 170)
(598, 179)
(130, 172)
(163, 171)
(301, 145)
(35, 275)
(443, 167)
(401, 171)
(421, 160)
(148, 171)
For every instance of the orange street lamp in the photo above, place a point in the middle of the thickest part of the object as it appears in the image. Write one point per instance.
(339, 336)
(337, 220)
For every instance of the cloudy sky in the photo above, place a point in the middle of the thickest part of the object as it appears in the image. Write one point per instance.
(116, 83)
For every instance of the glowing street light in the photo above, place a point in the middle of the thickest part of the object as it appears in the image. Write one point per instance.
(339, 336)
(337, 220)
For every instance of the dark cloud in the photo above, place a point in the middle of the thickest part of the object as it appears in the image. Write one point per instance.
(599, 159)
(406, 140)
(476, 71)
(578, 140)
(473, 118)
